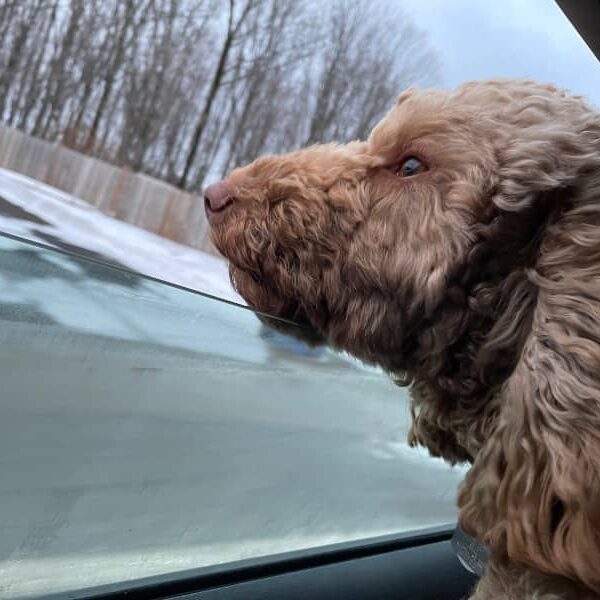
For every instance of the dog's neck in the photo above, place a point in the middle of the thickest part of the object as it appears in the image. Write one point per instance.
(485, 317)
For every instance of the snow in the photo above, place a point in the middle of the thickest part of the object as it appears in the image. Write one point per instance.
(75, 222)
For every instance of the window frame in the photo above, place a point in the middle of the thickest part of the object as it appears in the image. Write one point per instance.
(420, 564)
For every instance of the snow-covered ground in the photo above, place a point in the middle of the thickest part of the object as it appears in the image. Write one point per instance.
(61, 216)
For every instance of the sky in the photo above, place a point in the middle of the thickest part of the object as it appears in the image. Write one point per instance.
(478, 39)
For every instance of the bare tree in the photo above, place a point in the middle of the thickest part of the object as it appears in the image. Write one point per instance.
(188, 89)
(234, 25)
(21, 20)
(271, 42)
(363, 68)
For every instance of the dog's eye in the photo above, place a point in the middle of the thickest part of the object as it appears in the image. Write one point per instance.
(410, 166)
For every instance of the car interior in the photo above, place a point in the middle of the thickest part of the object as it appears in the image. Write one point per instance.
(417, 562)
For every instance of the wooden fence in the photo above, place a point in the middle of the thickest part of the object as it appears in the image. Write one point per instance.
(131, 197)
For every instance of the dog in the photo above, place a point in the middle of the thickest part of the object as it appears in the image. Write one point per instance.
(458, 248)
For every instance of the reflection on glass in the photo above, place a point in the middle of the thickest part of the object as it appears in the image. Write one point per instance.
(145, 430)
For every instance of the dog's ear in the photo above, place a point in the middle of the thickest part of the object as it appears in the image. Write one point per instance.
(549, 144)
(534, 489)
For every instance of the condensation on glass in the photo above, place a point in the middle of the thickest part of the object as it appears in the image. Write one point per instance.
(146, 430)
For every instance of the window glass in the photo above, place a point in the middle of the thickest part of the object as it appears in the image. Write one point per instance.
(145, 430)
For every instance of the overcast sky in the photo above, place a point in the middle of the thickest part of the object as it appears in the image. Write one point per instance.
(476, 39)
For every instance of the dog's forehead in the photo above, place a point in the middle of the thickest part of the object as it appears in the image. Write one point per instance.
(467, 109)
(309, 165)
(415, 116)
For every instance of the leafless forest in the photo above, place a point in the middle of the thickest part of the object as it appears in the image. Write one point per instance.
(187, 89)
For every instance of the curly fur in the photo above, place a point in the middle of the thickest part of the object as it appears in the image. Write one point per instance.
(477, 283)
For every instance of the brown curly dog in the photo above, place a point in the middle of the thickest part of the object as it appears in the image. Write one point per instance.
(458, 248)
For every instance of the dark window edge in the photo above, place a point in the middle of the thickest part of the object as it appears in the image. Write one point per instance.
(584, 15)
(227, 574)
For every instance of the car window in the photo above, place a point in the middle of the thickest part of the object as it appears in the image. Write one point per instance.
(146, 429)
(149, 421)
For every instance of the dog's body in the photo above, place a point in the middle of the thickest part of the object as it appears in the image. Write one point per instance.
(458, 248)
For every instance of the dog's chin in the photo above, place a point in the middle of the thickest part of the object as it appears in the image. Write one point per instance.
(282, 314)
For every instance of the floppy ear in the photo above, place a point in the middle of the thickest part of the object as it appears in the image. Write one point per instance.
(534, 489)
(533, 492)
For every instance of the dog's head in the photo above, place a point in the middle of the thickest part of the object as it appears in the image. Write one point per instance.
(379, 246)
(458, 248)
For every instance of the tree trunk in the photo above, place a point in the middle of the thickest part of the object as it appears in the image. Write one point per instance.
(214, 88)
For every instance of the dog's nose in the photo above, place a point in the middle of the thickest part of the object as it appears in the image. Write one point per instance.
(217, 198)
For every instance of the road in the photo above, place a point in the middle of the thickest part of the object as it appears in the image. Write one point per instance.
(146, 430)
